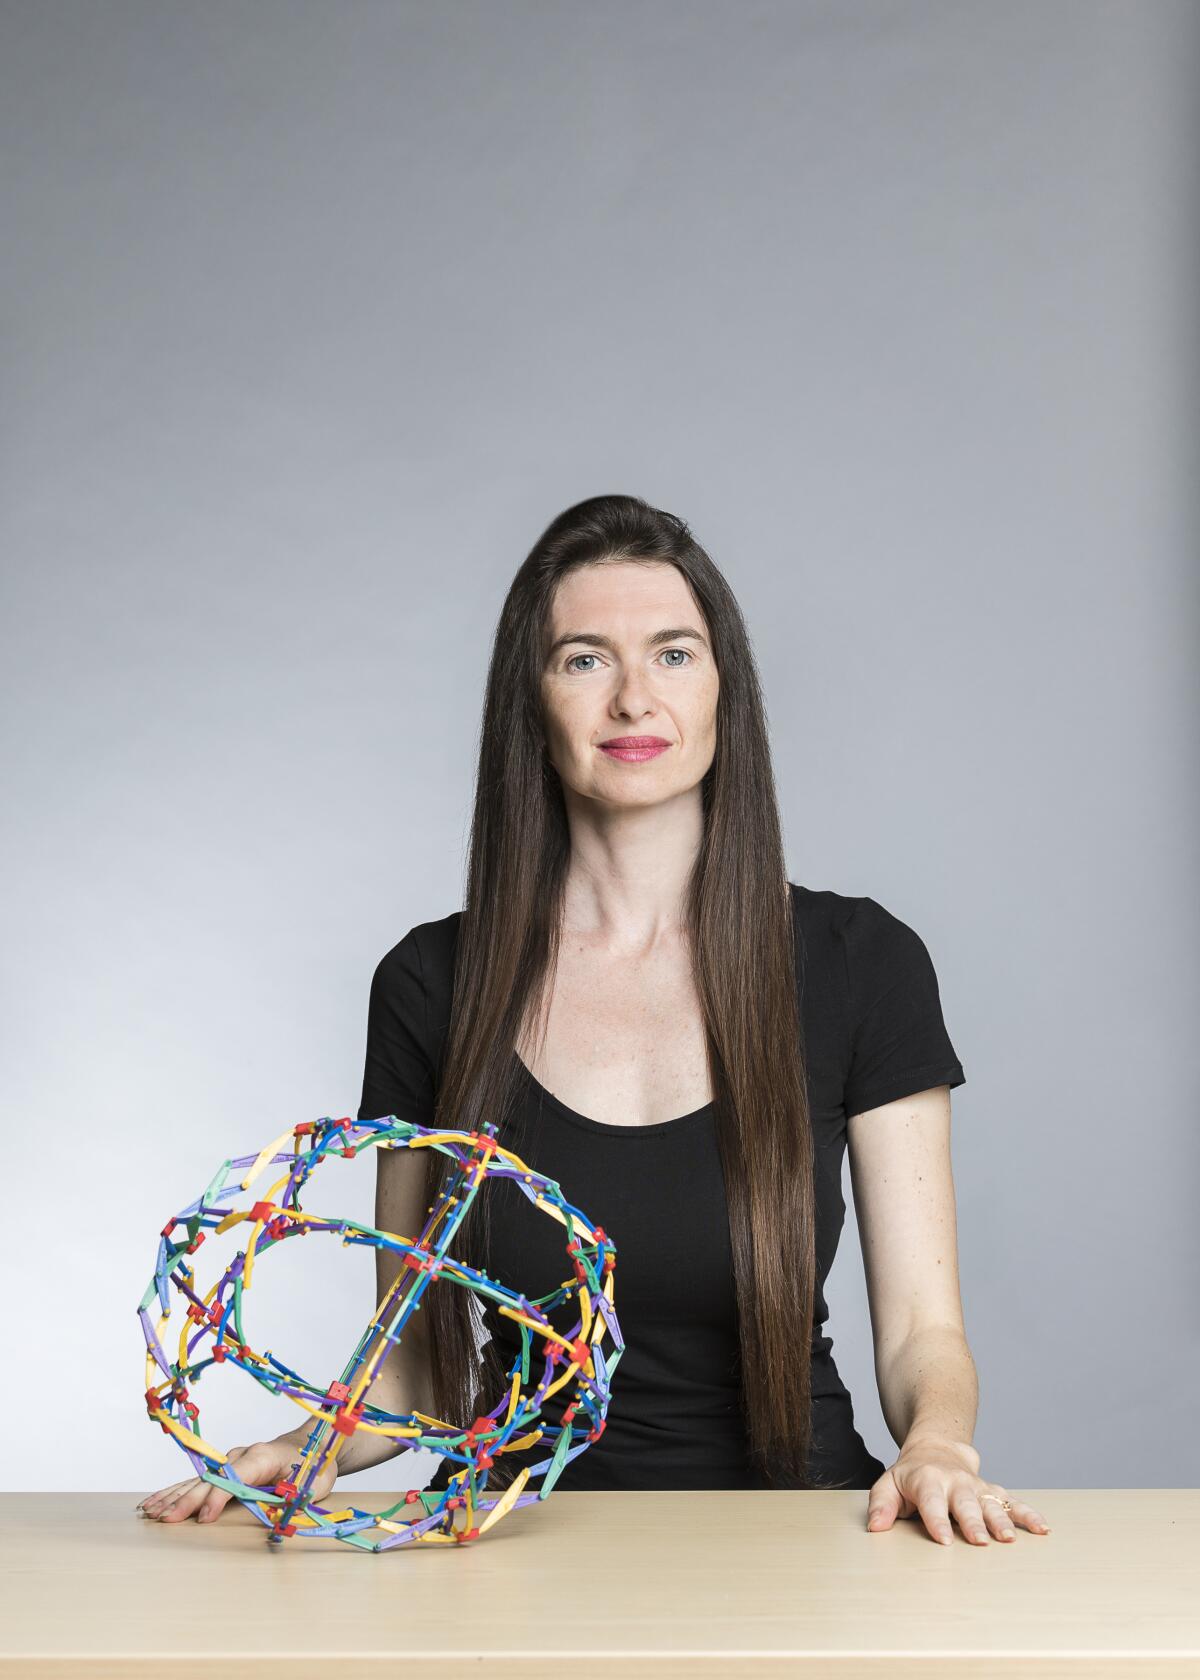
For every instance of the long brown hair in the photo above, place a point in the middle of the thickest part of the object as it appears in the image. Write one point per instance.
(740, 930)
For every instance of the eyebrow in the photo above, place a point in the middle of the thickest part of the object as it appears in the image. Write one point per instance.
(592, 638)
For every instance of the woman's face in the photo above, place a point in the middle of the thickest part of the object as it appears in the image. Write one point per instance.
(629, 657)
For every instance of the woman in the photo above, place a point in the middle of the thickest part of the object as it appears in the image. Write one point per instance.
(658, 1019)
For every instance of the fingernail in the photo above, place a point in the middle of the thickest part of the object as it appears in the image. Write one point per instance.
(945, 1538)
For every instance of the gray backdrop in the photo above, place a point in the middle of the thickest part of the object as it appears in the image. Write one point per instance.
(313, 316)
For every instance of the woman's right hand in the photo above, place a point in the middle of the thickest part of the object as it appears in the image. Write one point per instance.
(260, 1465)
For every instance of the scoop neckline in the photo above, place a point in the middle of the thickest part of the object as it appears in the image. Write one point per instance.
(607, 1127)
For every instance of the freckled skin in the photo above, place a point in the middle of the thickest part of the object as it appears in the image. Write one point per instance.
(619, 1034)
(590, 694)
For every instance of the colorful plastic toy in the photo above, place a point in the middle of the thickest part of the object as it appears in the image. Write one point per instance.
(214, 1334)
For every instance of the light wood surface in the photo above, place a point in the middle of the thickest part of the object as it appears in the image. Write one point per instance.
(665, 1584)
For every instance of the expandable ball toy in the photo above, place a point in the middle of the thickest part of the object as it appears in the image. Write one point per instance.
(214, 1333)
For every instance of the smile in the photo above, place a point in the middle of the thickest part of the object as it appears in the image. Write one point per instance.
(635, 754)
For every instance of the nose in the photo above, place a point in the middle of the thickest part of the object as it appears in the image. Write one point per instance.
(633, 695)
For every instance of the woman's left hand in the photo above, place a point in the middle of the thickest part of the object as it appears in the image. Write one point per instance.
(939, 1479)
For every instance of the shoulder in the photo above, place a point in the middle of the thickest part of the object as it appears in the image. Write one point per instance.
(423, 958)
(416, 975)
(867, 943)
(820, 911)
(425, 948)
(843, 916)
(828, 921)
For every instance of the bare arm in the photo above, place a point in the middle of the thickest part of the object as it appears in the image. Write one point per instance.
(903, 1182)
(405, 1381)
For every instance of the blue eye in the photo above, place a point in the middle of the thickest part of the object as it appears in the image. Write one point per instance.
(688, 657)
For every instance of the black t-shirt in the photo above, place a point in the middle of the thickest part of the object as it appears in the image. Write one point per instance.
(873, 1031)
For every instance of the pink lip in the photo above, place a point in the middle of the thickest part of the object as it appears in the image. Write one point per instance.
(634, 749)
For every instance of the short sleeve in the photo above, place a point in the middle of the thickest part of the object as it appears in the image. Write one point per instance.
(399, 1076)
(898, 1038)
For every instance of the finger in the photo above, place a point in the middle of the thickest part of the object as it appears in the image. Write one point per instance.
(214, 1502)
(936, 1517)
(999, 1520)
(156, 1497)
(1002, 1522)
(1026, 1517)
(883, 1503)
(213, 1505)
(157, 1502)
(186, 1503)
(191, 1500)
(968, 1510)
(179, 1501)
(167, 1492)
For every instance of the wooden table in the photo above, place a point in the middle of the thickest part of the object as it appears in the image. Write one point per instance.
(768, 1582)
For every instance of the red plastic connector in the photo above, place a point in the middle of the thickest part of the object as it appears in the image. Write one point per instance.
(346, 1420)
